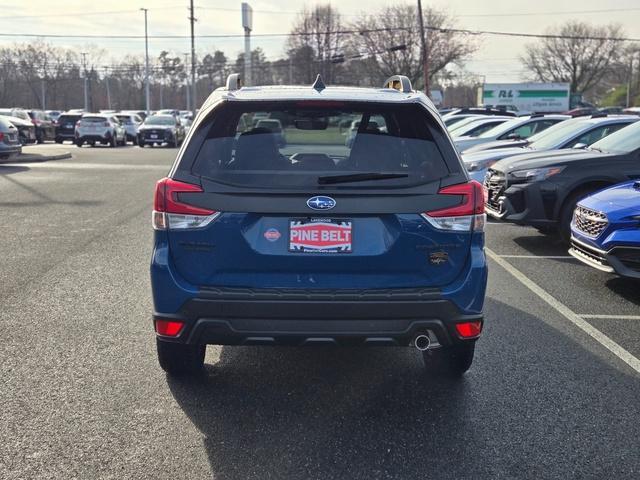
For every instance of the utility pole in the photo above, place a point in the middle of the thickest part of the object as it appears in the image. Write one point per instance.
(44, 103)
(86, 93)
(290, 71)
(186, 62)
(425, 53)
(146, 61)
(247, 24)
(629, 81)
(194, 96)
(43, 85)
(106, 81)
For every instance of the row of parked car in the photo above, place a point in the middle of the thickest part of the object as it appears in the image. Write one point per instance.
(576, 176)
(19, 127)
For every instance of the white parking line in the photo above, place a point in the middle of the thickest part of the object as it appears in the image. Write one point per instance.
(566, 312)
(555, 257)
(613, 317)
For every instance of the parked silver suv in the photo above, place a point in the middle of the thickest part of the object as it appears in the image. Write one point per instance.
(98, 128)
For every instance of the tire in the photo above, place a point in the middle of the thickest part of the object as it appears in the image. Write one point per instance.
(141, 144)
(179, 359)
(113, 142)
(566, 214)
(451, 361)
(172, 144)
(78, 143)
(58, 140)
(40, 138)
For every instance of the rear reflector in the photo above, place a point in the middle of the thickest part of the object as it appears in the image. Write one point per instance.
(169, 328)
(169, 212)
(469, 329)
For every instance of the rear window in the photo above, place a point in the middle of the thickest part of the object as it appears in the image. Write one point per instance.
(93, 120)
(307, 144)
(68, 118)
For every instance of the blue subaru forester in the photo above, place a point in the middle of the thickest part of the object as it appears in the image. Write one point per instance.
(287, 236)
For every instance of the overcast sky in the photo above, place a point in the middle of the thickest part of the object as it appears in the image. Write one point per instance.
(497, 57)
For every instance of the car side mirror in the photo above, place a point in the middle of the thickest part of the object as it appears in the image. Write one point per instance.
(580, 146)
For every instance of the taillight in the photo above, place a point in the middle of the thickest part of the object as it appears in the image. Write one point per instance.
(1, 137)
(168, 328)
(466, 216)
(469, 329)
(171, 213)
(107, 124)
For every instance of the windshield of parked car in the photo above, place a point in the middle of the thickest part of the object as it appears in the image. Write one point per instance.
(160, 120)
(317, 145)
(503, 128)
(624, 140)
(556, 135)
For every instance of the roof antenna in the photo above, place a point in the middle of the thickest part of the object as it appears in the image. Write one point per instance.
(318, 85)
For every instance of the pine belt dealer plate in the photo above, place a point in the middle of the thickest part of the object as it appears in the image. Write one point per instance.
(320, 235)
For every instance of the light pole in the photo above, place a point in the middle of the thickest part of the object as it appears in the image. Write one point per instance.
(106, 81)
(86, 93)
(247, 24)
(425, 53)
(146, 59)
(186, 58)
(194, 96)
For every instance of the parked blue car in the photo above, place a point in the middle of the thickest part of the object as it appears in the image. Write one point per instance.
(315, 242)
(605, 232)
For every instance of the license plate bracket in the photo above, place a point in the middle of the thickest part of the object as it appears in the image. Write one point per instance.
(320, 235)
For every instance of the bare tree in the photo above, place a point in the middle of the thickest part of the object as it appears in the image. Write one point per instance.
(580, 54)
(397, 26)
(319, 31)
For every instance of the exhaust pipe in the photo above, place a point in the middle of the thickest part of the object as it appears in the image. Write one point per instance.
(422, 342)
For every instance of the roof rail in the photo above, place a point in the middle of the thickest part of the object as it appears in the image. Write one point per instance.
(399, 82)
(234, 82)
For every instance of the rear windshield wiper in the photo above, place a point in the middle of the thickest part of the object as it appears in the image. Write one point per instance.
(359, 177)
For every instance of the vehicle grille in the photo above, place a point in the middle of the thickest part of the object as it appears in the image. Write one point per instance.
(589, 222)
(496, 184)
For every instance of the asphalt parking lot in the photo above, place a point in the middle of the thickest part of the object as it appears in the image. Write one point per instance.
(553, 392)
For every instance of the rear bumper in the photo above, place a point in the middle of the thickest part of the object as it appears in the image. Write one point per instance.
(276, 317)
(9, 150)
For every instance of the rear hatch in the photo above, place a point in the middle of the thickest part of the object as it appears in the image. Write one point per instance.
(392, 210)
(93, 126)
(67, 124)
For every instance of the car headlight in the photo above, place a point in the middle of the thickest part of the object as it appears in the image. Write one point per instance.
(535, 174)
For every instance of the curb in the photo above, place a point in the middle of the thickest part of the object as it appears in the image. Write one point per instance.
(35, 157)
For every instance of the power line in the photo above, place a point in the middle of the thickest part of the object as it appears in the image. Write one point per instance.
(539, 14)
(334, 32)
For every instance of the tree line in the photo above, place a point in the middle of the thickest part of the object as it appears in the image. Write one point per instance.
(362, 53)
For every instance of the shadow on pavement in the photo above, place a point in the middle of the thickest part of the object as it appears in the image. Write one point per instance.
(11, 169)
(525, 410)
(42, 199)
(540, 244)
(627, 288)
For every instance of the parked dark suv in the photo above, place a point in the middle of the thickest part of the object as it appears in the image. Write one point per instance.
(316, 242)
(66, 128)
(542, 190)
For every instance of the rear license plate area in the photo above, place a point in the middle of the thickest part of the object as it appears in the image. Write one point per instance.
(320, 235)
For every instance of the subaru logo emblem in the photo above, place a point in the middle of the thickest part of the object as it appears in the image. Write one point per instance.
(321, 203)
